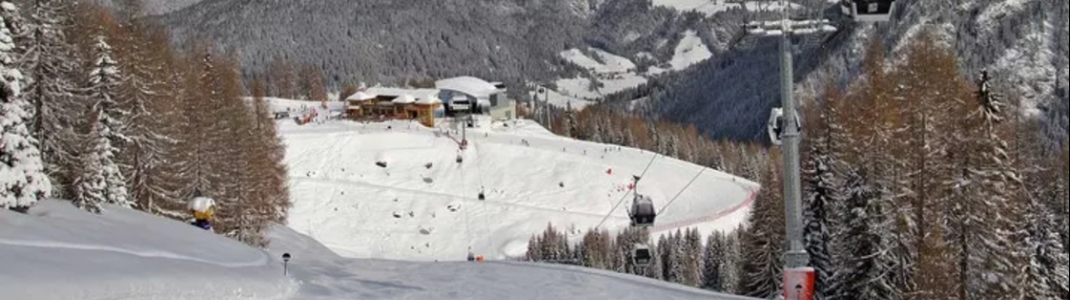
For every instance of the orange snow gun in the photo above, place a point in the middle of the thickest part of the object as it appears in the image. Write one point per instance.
(204, 215)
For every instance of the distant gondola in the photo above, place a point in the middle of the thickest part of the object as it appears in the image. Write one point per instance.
(868, 10)
(642, 212)
(641, 256)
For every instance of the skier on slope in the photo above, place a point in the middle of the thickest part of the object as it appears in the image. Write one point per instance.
(202, 209)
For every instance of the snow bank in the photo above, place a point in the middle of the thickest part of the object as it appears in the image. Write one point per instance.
(60, 252)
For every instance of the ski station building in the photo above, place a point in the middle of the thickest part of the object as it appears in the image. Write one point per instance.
(450, 98)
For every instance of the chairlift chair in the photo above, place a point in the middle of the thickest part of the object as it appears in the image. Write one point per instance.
(868, 10)
(642, 256)
(642, 212)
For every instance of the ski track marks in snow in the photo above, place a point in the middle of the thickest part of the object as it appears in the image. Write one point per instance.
(259, 261)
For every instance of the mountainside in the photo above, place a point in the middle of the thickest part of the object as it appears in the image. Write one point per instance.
(390, 42)
(1023, 42)
(725, 89)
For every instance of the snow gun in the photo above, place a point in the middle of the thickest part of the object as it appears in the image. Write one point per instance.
(202, 209)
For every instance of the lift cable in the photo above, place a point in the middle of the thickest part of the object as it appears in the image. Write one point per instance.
(693, 179)
(625, 197)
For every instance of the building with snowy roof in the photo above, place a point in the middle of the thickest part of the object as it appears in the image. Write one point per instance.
(468, 94)
(396, 103)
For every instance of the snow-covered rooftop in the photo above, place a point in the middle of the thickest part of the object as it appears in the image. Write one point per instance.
(430, 99)
(361, 96)
(475, 87)
(404, 99)
(398, 92)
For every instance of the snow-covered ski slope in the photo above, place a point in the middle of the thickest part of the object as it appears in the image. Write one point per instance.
(530, 178)
(58, 252)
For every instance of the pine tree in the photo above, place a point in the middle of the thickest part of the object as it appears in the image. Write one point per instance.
(100, 161)
(821, 187)
(762, 268)
(982, 187)
(1045, 274)
(934, 271)
(90, 186)
(693, 252)
(146, 124)
(22, 178)
(154, 181)
(924, 81)
(714, 263)
(665, 262)
(732, 261)
(196, 173)
(50, 67)
(863, 272)
(1064, 194)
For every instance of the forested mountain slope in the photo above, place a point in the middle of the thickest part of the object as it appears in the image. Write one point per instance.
(1024, 43)
(386, 41)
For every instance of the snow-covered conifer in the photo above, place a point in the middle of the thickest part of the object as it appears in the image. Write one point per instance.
(1045, 274)
(863, 271)
(22, 178)
(714, 259)
(99, 179)
(49, 65)
(762, 244)
(821, 189)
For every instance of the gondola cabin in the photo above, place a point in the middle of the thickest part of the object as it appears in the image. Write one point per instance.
(642, 212)
(641, 256)
(868, 10)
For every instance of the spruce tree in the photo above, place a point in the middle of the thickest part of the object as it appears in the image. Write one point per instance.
(22, 178)
(50, 66)
(732, 262)
(714, 262)
(762, 244)
(106, 132)
(693, 255)
(1045, 274)
(90, 186)
(1064, 195)
(863, 272)
(821, 188)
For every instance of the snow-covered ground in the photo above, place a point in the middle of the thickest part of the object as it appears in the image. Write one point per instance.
(58, 252)
(408, 211)
(612, 63)
(708, 7)
(711, 7)
(690, 51)
(614, 73)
